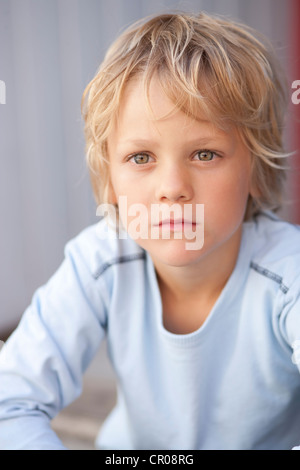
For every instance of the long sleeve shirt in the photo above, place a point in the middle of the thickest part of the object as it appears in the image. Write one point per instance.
(232, 384)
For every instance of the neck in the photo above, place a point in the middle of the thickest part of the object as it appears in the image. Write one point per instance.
(205, 278)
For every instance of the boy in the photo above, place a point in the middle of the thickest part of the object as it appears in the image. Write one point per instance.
(185, 112)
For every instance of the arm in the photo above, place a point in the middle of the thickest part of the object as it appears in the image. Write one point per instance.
(42, 363)
(290, 327)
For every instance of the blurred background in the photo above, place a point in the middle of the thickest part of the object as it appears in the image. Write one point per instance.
(49, 51)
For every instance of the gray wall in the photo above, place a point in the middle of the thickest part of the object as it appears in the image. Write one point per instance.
(49, 50)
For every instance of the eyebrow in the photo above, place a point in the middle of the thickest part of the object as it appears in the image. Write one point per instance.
(197, 141)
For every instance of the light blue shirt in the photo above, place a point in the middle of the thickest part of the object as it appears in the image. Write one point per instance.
(232, 384)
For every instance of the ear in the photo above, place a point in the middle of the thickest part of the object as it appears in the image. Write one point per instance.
(255, 192)
(254, 186)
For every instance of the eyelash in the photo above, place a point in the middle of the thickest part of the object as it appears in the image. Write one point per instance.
(145, 154)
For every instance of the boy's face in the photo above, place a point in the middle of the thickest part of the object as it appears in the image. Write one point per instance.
(178, 160)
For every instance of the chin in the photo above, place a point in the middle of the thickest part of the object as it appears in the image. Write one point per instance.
(173, 253)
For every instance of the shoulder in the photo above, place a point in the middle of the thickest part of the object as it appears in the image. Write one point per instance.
(98, 247)
(276, 249)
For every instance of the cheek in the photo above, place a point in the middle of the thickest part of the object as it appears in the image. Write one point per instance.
(119, 188)
(230, 195)
(133, 211)
(122, 184)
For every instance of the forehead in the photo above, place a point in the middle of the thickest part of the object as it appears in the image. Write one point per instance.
(148, 111)
(151, 101)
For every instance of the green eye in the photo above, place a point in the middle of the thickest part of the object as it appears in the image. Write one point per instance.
(205, 155)
(140, 158)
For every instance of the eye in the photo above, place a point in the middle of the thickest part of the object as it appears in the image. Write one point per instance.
(205, 155)
(140, 158)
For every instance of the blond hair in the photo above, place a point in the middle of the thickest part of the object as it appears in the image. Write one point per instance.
(208, 65)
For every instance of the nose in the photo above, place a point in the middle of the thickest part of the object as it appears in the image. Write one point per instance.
(174, 183)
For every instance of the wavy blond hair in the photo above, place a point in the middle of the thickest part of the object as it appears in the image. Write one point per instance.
(208, 65)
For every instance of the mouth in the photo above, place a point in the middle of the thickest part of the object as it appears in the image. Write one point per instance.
(176, 224)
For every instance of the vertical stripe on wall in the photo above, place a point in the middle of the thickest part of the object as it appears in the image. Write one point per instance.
(295, 111)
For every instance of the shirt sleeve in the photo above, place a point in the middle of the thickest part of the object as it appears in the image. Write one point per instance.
(290, 322)
(290, 327)
(43, 361)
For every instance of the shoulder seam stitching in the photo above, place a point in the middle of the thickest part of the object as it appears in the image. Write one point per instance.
(269, 274)
(118, 260)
